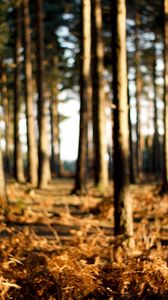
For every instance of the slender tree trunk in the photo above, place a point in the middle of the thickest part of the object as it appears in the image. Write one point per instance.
(55, 156)
(122, 200)
(90, 156)
(31, 138)
(156, 144)
(165, 142)
(89, 150)
(80, 178)
(18, 158)
(3, 194)
(5, 103)
(44, 165)
(131, 160)
(101, 170)
(138, 96)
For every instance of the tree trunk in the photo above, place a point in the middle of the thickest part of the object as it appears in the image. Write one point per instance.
(3, 194)
(80, 178)
(98, 96)
(156, 145)
(18, 158)
(5, 103)
(138, 96)
(31, 138)
(122, 199)
(55, 155)
(165, 142)
(90, 155)
(131, 160)
(44, 165)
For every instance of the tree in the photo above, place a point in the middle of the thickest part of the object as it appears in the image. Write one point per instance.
(31, 138)
(5, 103)
(122, 199)
(131, 160)
(98, 97)
(54, 116)
(80, 178)
(3, 194)
(43, 167)
(18, 159)
(165, 145)
(138, 92)
(156, 143)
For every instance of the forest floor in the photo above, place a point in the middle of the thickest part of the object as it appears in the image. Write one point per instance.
(60, 246)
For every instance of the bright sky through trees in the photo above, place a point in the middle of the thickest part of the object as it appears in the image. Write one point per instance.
(69, 130)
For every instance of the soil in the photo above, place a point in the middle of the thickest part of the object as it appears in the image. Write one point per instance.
(54, 245)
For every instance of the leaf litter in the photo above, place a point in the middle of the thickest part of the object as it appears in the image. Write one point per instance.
(58, 246)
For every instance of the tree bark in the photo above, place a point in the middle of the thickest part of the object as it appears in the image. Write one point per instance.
(44, 165)
(138, 96)
(3, 194)
(156, 144)
(31, 137)
(80, 178)
(131, 148)
(5, 103)
(18, 158)
(122, 199)
(165, 142)
(98, 98)
(55, 155)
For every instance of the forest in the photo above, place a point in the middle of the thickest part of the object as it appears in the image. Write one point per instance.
(83, 149)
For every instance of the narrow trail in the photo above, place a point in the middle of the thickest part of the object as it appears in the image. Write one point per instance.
(55, 212)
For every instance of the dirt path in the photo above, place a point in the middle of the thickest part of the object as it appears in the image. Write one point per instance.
(55, 212)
